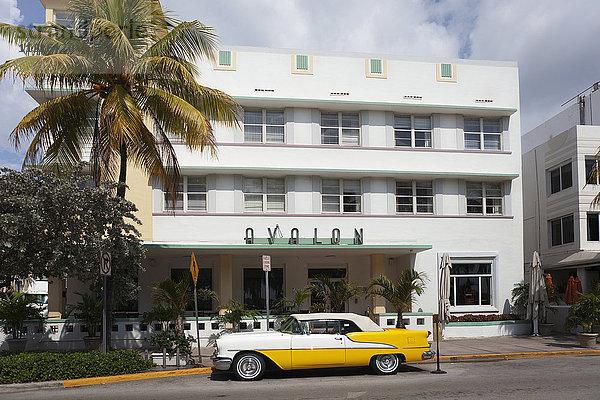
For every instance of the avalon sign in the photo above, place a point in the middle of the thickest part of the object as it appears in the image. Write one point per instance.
(276, 237)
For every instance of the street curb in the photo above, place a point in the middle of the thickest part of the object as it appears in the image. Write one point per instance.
(515, 356)
(134, 377)
(29, 386)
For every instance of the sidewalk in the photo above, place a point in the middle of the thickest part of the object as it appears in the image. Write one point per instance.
(512, 347)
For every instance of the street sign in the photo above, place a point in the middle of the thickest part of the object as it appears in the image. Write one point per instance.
(194, 269)
(266, 262)
(105, 264)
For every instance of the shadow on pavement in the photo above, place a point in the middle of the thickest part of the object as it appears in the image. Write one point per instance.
(316, 373)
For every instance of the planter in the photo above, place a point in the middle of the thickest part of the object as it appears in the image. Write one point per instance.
(92, 343)
(587, 340)
(171, 361)
(596, 329)
(16, 345)
(545, 329)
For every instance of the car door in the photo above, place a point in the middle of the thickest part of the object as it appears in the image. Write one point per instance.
(321, 345)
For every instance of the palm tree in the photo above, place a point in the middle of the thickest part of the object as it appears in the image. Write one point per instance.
(285, 305)
(335, 293)
(401, 293)
(129, 68)
(176, 296)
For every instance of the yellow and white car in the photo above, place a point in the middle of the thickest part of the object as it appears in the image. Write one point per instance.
(320, 340)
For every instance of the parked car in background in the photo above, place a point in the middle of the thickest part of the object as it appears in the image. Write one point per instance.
(320, 340)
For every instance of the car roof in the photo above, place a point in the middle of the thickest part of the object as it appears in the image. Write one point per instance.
(364, 323)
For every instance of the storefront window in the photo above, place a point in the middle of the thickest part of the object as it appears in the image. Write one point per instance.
(470, 284)
(255, 288)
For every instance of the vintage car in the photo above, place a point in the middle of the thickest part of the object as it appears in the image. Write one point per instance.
(320, 340)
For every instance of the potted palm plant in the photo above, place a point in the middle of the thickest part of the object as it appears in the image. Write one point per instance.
(335, 293)
(584, 313)
(89, 312)
(15, 309)
(401, 293)
(233, 313)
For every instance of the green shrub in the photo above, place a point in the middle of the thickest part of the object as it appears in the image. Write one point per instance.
(37, 367)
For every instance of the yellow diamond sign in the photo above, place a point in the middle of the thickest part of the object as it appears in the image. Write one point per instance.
(194, 269)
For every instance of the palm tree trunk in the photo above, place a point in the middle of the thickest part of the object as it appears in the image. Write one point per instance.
(400, 320)
(122, 172)
(179, 325)
(110, 282)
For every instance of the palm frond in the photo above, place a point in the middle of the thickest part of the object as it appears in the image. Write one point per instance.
(188, 41)
(32, 42)
(63, 70)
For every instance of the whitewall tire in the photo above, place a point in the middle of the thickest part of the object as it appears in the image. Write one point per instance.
(385, 364)
(248, 367)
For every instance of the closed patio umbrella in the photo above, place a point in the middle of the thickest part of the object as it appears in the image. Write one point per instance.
(569, 291)
(444, 307)
(538, 298)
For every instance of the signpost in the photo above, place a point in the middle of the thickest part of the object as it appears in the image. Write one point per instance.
(266, 264)
(105, 271)
(194, 270)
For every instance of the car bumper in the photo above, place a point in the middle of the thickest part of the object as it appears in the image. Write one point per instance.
(221, 363)
(428, 355)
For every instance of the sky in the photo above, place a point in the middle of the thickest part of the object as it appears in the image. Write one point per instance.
(553, 41)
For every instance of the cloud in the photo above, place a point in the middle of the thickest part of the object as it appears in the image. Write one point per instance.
(14, 102)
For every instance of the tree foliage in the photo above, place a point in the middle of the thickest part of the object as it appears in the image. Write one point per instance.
(57, 227)
(128, 67)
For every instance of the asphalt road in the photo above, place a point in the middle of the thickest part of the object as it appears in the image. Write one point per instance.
(544, 378)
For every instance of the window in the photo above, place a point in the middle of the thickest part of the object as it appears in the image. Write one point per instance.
(483, 134)
(191, 195)
(470, 284)
(204, 282)
(264, 195)
(255, 288)
(561, 178)
(225, 60)
(446, 72)
(340, 125)
(375, 68)
(484, 198)
(412, 131)
(264, 126)
(562, 230)
(414, 197)
(327, 327)
(591, 171)
(593, 231)
(302, 64)
(64, 18)
(340, 195)
(334, 274)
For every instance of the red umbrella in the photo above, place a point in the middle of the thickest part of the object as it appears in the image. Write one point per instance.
(578, 290)
(569, 292)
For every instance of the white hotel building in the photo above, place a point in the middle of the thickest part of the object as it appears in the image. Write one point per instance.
(367, 164)
(348, 165)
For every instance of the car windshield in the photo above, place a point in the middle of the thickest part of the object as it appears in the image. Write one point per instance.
(290, 325)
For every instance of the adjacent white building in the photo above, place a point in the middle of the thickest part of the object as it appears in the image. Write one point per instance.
(559, 185)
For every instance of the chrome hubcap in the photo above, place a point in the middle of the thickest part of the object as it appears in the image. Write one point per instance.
(248, 367)
(387, 362)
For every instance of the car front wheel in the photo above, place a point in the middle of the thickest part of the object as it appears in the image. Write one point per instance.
(248, 367)
(385, 364)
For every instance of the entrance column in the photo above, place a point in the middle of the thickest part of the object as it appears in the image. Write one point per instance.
(225, 282)
(377, 268)
(56, 300)
(582, 274)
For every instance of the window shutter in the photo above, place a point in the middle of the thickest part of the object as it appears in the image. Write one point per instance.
(446, 70)
(225, 58)
(376, 66)
(302, 62)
